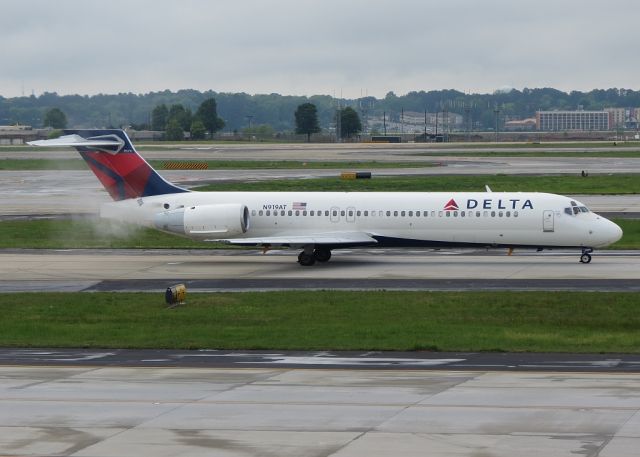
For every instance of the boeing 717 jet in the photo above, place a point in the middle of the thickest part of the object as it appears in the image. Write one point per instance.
(319, 222)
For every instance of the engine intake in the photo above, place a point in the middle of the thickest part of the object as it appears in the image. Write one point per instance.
(205, 221)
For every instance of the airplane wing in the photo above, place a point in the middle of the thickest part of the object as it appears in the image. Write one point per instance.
(333, 238)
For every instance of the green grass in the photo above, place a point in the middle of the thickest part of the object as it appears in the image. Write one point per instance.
(42, 164)
(631, 237)
(89, 234)
(339, 320)
(546, 154)
(79, 164)
(92, 234)
(562, 184)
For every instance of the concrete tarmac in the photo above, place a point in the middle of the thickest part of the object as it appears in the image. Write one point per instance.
(94, 411)
(132, 270)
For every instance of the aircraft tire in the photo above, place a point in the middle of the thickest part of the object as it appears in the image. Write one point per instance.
(322, 254)
(306, 260)
(585, 258)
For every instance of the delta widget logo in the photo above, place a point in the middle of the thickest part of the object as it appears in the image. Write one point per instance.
(451, 205)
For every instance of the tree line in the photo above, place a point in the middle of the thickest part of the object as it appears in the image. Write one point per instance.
(240, 110)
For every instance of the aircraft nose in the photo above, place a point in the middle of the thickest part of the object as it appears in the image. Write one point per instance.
(611, 231)
(616, 232)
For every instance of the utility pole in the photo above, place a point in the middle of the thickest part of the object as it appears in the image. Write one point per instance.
(496, 110)
(425, 125)
(384, 122)
(437, 125)
(467, 113)
(402, 121)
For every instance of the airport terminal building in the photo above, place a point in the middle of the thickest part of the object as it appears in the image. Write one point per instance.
(551, 121)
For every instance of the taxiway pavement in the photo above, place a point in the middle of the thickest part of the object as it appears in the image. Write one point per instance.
(215, 270)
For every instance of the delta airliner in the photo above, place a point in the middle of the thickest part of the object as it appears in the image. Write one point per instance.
(318, 222)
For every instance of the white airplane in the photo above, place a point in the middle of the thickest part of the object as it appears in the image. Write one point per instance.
(318, 222)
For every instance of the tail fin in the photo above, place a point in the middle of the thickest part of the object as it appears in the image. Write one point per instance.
(114, 160)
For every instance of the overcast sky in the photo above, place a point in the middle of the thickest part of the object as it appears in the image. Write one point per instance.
(305, 47)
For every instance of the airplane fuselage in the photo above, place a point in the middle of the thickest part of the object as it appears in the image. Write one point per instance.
(392, 218)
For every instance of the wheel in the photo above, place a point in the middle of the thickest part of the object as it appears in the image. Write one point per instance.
(585, 258)
(306, 260)
(322, 254)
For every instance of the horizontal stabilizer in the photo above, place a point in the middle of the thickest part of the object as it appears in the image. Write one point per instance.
(77, 140)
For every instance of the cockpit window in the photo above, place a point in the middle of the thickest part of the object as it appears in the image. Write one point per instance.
(574, 209)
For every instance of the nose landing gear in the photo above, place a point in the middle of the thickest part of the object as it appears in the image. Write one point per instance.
(586, 255)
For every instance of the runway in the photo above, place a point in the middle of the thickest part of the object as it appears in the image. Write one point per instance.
(237, 270)
(96, 411)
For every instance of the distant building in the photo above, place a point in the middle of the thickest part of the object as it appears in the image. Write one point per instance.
(20, 134)
(617, 117)
(553, 121)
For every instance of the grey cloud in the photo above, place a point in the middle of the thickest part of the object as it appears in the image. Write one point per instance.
(309, 47)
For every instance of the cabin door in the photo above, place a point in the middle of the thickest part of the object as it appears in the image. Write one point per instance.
(547, 221)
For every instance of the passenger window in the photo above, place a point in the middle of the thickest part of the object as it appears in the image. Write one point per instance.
(304, 213)
(335, 213)
(433, 214)
(388, 213)
(366, 213)
(260, 213)
(350, 213)
(358, 213)
(268, 213)
(410, 213)
(493, 214)
(477, 213)
(253, 212)
(402, 213)
(282, 213)
(515, 214)
(508, 213)
(326, 213)
(500, 214)
(342, 213)
(439, 213)
(461, 213)
(448, 213)
(312, 213)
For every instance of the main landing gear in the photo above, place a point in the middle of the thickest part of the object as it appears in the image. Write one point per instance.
(310, 255)
(586, 255)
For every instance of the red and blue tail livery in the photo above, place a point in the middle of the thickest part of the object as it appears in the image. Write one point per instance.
(114, 160)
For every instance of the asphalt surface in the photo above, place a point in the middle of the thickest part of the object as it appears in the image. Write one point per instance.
(348, 360)
(240, 270)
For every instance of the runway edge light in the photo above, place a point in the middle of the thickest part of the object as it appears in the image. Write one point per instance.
(175, 295)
